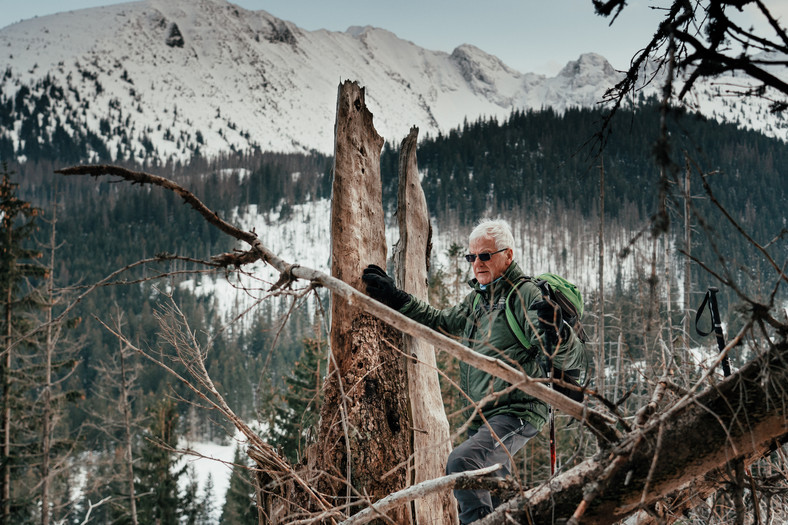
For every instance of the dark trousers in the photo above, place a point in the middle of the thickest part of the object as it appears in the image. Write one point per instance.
(480, 450)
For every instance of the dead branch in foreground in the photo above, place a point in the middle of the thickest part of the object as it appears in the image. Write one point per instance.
(413, 492)
(740, 418)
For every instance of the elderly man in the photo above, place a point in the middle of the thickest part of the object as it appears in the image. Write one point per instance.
(502, 422)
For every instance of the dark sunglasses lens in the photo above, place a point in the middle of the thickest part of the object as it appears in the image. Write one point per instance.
(484, 257)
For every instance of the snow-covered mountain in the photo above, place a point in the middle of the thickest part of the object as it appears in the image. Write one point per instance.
(209, 73)
(169, 77)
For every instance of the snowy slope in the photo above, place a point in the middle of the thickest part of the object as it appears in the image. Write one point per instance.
(209, 75)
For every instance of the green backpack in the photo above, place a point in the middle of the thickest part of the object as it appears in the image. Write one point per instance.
(562, 292)
(568, 297)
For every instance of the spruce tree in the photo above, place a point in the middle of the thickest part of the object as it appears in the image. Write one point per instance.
(298, 418)
(207, 502)
(196, 510)
(158, 491)
(239, 502)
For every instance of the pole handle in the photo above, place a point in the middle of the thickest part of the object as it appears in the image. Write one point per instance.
(716, 325)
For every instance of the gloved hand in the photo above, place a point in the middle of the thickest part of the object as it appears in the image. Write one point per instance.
(381, 287)
(551, 321)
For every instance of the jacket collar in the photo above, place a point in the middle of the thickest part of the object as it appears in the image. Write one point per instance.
(512, 274)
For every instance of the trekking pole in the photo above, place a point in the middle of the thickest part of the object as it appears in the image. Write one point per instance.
(545, 288)
(711, 298)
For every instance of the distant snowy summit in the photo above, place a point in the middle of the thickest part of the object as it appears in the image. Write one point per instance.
(172, 78)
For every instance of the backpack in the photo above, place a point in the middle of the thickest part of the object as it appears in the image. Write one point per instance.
(563, 293)
(568, 297)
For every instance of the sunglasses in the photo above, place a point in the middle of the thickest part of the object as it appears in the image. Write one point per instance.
(484, 257)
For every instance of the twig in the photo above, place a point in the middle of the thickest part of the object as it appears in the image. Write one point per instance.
(264, 453)
(742, 232)
(106, 281)
(92, 506)
(688, 397)
(644, 413)
(650, 476)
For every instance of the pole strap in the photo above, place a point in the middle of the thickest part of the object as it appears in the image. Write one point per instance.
(701, 309)
(716, 325)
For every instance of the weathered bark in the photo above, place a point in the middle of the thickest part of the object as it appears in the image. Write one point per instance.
(364, 436)
(430, 427)
(737, 419)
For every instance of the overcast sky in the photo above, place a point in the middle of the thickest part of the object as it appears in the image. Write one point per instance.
(538, 36)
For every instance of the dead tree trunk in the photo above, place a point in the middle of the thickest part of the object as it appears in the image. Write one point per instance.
(600, 375)
(128, 436)
(430, 427)
(364, 437)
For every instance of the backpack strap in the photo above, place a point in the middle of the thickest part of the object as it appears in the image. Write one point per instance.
(514, 326)
(475, 302)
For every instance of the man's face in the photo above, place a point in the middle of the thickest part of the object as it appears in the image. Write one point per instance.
(487, 272)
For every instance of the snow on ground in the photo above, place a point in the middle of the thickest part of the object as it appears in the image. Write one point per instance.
(209, 460)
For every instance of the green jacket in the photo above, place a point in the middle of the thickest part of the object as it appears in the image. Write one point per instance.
(487, 332)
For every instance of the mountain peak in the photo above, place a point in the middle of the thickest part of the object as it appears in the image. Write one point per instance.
(587, 63)
(357, 31)
(467, 54)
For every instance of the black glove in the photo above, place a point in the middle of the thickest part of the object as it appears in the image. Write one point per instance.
(551, 320)
(381, 288)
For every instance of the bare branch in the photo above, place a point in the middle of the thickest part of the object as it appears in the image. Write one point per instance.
(92, 506)
(741, 230)
(106, 281)
(139, 177)
(192, 357)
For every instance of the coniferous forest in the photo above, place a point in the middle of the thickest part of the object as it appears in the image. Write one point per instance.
(107, 407)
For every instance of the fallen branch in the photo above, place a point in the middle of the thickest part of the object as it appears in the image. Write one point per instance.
(738, 419)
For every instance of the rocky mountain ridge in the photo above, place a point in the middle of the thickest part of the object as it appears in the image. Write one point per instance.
(172, 79)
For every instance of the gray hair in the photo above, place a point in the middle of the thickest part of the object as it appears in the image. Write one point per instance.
(496, 229)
